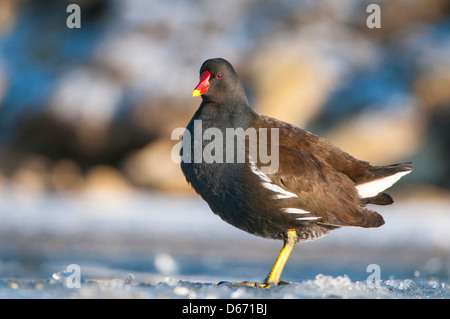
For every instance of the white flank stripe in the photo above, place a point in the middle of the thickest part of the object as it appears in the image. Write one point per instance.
(375, 187)
(295, 211)
(308, 218)
(267, 183)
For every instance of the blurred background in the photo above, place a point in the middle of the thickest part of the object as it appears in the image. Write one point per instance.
(86, 116)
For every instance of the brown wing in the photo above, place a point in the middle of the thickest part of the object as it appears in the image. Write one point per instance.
(341, 161)
(358, 171)
(321, 189)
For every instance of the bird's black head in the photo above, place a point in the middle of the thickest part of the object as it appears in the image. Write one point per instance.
(219, 82)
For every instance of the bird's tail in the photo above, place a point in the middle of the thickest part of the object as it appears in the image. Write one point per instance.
(378, 179)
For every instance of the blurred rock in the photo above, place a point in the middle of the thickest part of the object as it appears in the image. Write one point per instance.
(153, 167)
(288, 86)
(155, 55)
(105, 178)
(158, 118)
(398, 15)
(3, 81)
(437, 147)
(33, 173)
(380, 138)
(66, 175)
(294, 75)
(87, 100)
(8, 14)
(102, 94)
(86, 95)
(423, 191)
(2, 181)
(433, 89)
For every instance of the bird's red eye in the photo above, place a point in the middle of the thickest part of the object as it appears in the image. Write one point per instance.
(219, 76)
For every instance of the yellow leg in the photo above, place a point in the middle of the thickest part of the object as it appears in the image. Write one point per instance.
(273, 278)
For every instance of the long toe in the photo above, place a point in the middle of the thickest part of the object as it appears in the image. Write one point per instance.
(246, 284)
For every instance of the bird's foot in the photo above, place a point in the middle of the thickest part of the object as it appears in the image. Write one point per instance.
(263, 285)
(246, 284)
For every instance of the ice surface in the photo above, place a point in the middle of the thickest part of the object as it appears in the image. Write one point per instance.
(144, 245)
(320, 287)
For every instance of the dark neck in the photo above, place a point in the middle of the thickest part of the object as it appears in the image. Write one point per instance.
(226, 115)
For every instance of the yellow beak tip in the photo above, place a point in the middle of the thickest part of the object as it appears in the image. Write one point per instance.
(196, 93)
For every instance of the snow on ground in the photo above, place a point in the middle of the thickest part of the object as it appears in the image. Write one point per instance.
(319, 287)
(145, 245)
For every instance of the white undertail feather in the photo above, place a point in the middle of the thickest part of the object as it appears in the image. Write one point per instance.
(291, 210)
(308, 218)
(375, 187)
(295, 211)
(267, 183)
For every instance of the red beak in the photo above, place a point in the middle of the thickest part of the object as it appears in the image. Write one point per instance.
(203, 85)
